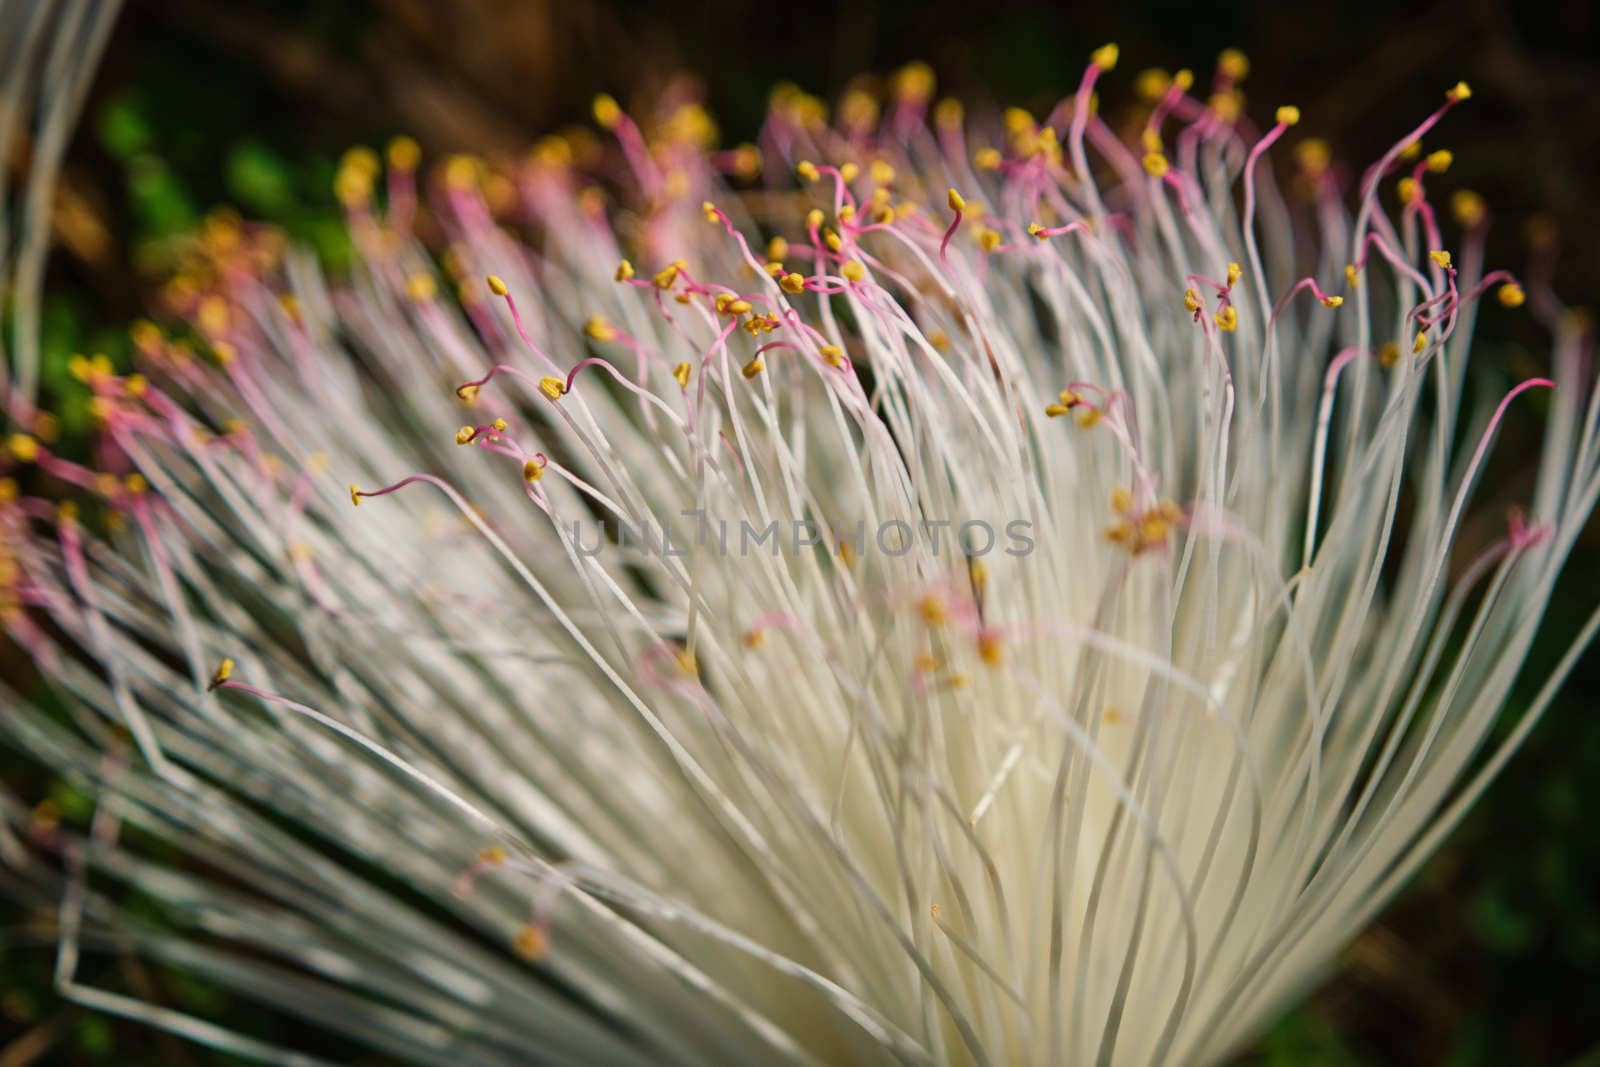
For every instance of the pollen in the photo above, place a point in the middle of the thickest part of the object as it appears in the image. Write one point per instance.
(955, 200)
(552, 387)
(355, 494)
(853, 271)
(467, 394)
(849, 172)
(224, 672)
(607, 112)
(1235, 272)
(666, 276)
(1352, 277)
(23, 447)
(807, 170)
(792, 283)
(1419, 344)
(532, 470)
(1228, 318)
(989, 239)
(624, 271)
(777, 248)
(1332, 301)
(532, 943)
(680, 374)
(1155, 164)
(753, 368)
(1511, 295)
(497, 285)
(1191, 301)
(598, 329)
(1440, 257)
(832, 355)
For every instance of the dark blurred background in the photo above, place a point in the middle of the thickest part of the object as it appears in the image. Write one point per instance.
(1493, 954)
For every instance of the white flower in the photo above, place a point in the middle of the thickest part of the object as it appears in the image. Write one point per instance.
(1037, 632)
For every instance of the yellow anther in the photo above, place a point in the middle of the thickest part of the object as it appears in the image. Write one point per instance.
(1155, 164)
(465, 435)
(814, 218)
(1440, 257)
(1332, 301)
(532, 943)
(1389, 354)
(404, 154)
(849, 172)
(990, 239)
(882, 172)
(777, 248)
(1191, 301)
(1036, 231)
(1226, 106)
(1152, 84)
(1105, 57)
(956, 201)
(914, 82)
(224, 672)
(598, 329)
(832, 240)
(135, 384)
(939, 340)
(1121, 500)
(23, 447)
(853, 271)
(1017, 120)
(926, 662)
(1352, 277)
(1184, 80)
(847, 212)
(624, 271)
(532, 470)
(224, 352)
(807, 170)
(680, 374)
(497, 285)
(499, 425)
(1111, 716)
(9, 490)
(1234, 64)
(987, 159)
(948, 114)
(607, 112)
(355, 494)
(754, 638)
(1088, 417)
(1411, 150)
(1314, 156)
(832, 355)
(461, 172)
(753, 368)
(1467, 207)
(990, 649)
(1120, 532)
(932, 610)
(135, 483)
(1419, 344)
(1407, 187)
(1511, 295)
(467, 394)
(1070, 397)
(1235, 272)
(493, 855)
(552, 387)
(747, 162)
(421, 288)
(1228, 318)
(667, 276)
(737, 307)
(1150, 138)
(709, 210)
(1458, 92)
(1439, 162)
(352, 187)
(1055, 411)
(1288, 115)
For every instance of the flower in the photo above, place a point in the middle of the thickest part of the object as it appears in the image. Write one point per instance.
(996, 595)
